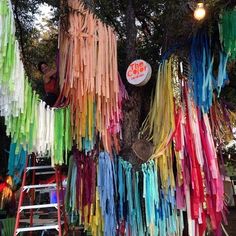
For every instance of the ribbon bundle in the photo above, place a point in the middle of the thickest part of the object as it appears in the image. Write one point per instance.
(227, 30)
(110, 197)
(130, 202)
(204, 81)
(30, 123)
(62, 134)
(160, 122)
(12, 77)
(90, 196)
(202, 187)
(91, 86)
(222, 123)
(41, 129)
(106, 189)
(89, 78)
(16, 163)
(81, 190)
(185, 142)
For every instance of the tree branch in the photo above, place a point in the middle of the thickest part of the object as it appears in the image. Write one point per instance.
(111, 21)
(15, 10)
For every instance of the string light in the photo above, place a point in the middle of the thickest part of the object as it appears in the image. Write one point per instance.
(200, 11)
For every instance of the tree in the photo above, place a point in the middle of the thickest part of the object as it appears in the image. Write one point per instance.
(25, 15)
(37, 44)
(145, 29)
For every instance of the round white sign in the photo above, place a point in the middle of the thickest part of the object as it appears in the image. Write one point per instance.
(139, 72)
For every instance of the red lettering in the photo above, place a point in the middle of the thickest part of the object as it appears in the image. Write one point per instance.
(130, 73)
(137, 70)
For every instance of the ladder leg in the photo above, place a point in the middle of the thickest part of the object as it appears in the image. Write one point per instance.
(58, 199)
(32, 194)
(63, 206)
(20, 199)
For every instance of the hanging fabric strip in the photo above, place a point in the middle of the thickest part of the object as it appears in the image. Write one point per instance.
(30, 123)
(106, 192)
(89, 79)
(228, 32)
(202, 187)
(95, 107)
(81, 192)
(160, 120)
(12, 75)
(202, 60)
(62, 135)
(16, 163)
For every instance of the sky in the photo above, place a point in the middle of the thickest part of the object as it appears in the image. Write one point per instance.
(45, 12)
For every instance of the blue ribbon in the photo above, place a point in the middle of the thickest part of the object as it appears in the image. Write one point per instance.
(105, 184)
(202, 60)
(133, 187)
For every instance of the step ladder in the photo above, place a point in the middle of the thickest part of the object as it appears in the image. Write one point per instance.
(31, 190)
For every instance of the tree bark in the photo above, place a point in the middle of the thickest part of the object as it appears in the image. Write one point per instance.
(15, 10)
(90, 4)
(132, 107)
(131, 32)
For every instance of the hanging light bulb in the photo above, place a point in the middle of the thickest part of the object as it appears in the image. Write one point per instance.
(200, 11)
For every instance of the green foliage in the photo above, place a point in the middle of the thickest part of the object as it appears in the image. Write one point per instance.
(160, 25)
(230, 167)
(38, 42)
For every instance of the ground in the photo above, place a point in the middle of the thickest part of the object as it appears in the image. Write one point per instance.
(231, 228)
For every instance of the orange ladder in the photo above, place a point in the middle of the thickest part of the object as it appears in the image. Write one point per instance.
(59, 206)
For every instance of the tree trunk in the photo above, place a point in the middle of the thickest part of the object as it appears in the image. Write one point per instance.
(90, 4)
(131, 33)
(132, 107)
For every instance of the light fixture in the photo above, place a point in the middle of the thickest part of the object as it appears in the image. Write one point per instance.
(200, 11)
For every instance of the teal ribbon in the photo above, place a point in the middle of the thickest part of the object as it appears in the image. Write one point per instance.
(16, 163)
(105, 183)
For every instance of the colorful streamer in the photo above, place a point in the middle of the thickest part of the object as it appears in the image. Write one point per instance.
(12, 77)
(202, 61)
(105, 183)
(81, 191)
(89, 78)
(227, 30)
(16, 163)
(31, 124)
(62, 135)
(188, 145)
(142, 209)
(105, 193)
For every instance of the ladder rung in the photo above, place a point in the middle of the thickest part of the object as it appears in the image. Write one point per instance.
(43, 157)
(39, 222)
(38, 206)
(45, 173)
(38, 167)
(37, 228)
(39, 186)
